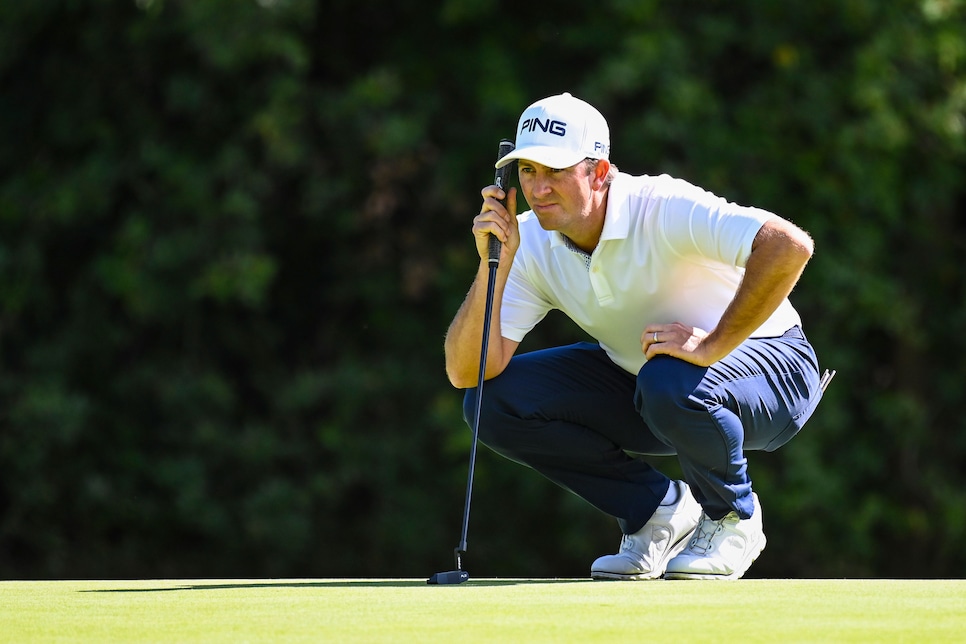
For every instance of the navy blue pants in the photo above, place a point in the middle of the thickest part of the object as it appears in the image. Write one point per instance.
(580, 420)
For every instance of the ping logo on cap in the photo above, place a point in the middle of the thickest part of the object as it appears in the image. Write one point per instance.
(551, 127)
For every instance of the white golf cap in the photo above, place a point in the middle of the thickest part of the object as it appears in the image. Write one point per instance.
(560, 131)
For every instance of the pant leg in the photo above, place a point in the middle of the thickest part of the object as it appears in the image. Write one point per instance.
(568, 413)
(756, 398)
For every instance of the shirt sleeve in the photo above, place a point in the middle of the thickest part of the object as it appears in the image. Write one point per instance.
(523, 304)
(698, 224)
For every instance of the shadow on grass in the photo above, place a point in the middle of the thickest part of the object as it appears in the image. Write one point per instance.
(335, 583)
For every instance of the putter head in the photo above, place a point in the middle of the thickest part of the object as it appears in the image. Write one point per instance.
(448, 578)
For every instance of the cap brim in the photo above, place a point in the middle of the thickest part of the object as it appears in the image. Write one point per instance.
(544, 155)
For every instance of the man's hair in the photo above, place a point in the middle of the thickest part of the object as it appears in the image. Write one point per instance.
(591, 163)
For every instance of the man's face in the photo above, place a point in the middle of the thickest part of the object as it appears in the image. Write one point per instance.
(559, 197)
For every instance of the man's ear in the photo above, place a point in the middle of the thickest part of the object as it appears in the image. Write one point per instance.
(600, 173)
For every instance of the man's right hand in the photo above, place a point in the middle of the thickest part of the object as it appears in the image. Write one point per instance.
(499, 220)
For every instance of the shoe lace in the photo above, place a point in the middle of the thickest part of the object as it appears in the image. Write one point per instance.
(626, 543)
(704, 534)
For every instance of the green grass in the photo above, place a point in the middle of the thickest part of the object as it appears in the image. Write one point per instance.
(520, 610)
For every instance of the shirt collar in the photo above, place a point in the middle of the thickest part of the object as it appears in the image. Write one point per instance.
(616, 218)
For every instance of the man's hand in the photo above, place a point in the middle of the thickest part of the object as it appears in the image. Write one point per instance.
(500, 221)
(678, 340)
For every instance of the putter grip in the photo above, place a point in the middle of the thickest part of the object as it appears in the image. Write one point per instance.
(502, 181)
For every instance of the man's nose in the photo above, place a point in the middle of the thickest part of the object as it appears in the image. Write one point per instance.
(541, 186)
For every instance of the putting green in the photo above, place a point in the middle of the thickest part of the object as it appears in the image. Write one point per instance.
(531, 610)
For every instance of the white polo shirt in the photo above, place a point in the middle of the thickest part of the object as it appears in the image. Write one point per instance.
(669, 252)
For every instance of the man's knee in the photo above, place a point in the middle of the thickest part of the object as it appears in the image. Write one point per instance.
(665, 392)
(496, 419)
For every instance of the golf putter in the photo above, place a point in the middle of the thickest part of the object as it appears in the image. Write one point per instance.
(459, 575)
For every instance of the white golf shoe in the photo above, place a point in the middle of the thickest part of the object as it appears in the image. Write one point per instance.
(645, 554)
(722, 549)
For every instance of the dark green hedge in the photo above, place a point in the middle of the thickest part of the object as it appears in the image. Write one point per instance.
(232, 235)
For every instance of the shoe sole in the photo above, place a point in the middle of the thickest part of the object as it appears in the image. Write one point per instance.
(657, 573)
(613, 576)
(737, 574)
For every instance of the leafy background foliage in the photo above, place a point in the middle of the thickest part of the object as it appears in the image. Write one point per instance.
(232, 235)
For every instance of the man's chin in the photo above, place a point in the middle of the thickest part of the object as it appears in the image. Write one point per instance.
(548, 219)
